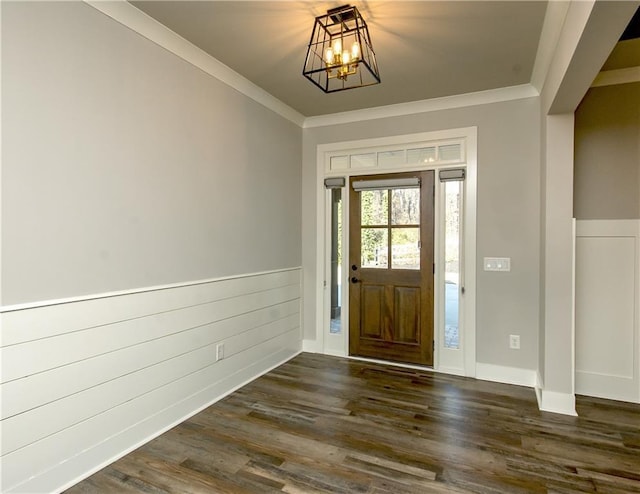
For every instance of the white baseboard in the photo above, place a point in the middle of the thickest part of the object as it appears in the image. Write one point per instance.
(555, 402)
(453, 371)
(506, 375)
(538, 389)
(311, 346)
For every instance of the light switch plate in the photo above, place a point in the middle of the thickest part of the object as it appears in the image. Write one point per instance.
(497, 264)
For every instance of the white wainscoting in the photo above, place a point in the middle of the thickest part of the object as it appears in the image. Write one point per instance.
(607, 334)
(85, 381)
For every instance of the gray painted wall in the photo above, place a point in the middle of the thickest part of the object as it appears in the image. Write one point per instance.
(508, 216)
(607, 153)
(123, 166)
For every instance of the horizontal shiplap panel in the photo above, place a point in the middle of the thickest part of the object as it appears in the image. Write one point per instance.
(39, 389)
(38, 356)
(93, 459)
(91, 379)
(31, 324)
(28, 427)
(197, 389)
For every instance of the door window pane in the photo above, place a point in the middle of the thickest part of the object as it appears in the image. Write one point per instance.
(405, 206)
(405, 248)
(374, 207)
(374, 246)
(453, 191)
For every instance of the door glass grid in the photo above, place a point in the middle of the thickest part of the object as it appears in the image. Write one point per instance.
(390, 228)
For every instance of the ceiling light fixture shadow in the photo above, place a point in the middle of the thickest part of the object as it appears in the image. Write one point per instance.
(340, 55)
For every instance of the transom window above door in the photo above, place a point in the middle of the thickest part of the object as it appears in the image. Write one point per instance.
(445, 152)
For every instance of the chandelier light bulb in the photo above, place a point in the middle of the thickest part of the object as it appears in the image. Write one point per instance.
(346, 57)
(355, 51)
(337, 46)
(328, 56)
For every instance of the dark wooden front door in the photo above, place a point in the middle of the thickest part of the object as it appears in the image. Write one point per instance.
(391, 269)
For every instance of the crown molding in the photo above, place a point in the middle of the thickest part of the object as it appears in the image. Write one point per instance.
(427, 105)
(618, 76)
(129, 16)
(126, 14)
(551, 29)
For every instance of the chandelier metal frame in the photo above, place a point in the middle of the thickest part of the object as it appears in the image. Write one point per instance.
(340, 55)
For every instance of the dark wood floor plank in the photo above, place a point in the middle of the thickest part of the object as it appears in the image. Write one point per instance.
(321, 424)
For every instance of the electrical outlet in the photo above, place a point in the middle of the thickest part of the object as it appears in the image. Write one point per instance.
(514, 341)
(219, 351)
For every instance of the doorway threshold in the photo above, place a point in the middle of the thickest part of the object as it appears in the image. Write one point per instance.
(393, 363)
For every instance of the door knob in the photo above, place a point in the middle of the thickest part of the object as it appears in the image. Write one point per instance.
(354, 280)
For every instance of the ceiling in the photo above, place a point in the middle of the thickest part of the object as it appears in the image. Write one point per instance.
(425, 49)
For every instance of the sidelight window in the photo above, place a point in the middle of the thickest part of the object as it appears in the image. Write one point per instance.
(335, 188)
(453, 192)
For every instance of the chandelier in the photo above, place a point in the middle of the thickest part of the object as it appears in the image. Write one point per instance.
(340, 55)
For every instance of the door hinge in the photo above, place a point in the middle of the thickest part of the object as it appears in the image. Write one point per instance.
(434, 268)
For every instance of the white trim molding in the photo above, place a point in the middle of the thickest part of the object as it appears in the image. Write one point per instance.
(311, 346)
(126, 14)
(538, 387)
(506, 375)
(554, 402)
(618, 76)
(428, 105)
(551, 29)
(95, 296)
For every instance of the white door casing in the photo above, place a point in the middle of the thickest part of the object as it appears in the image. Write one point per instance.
(454, 148)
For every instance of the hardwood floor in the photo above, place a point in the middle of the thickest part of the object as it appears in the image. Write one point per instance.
(326, 424)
